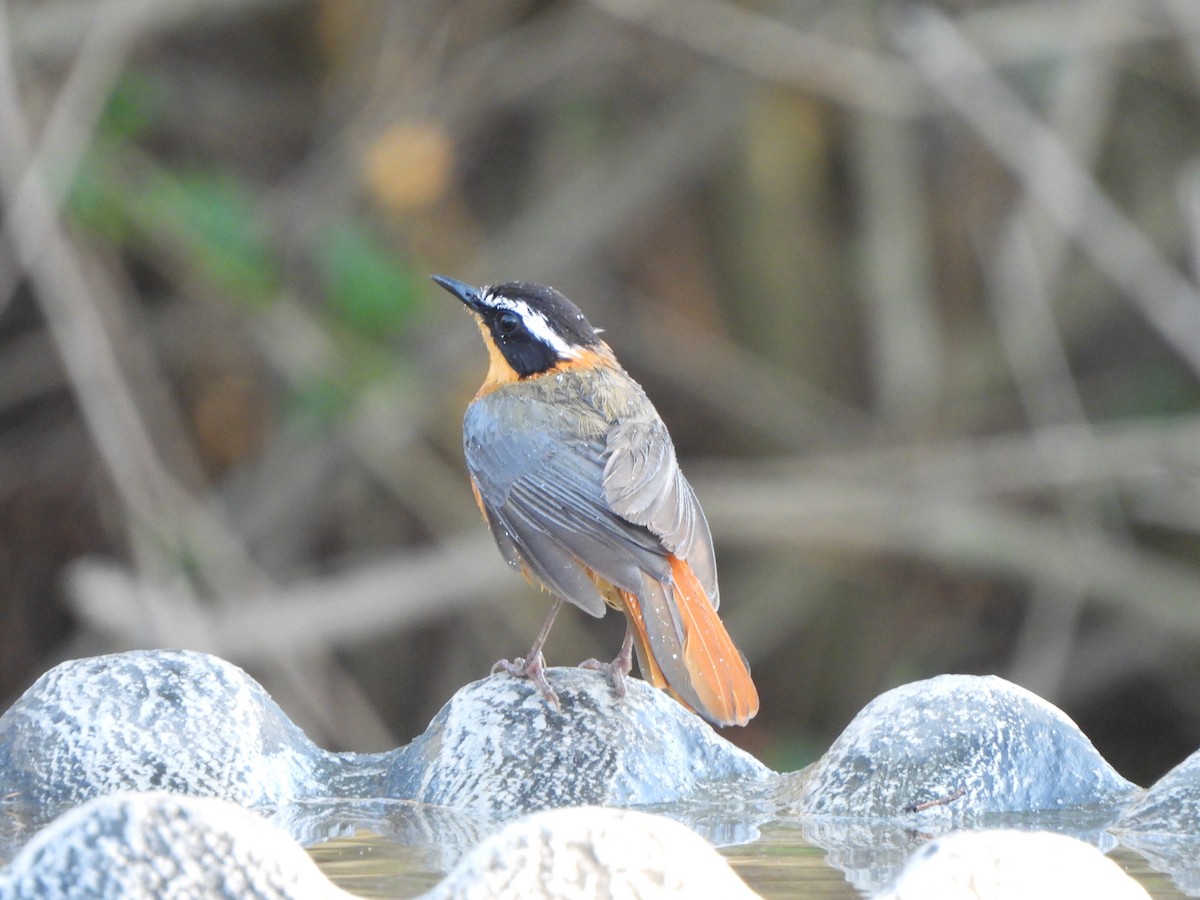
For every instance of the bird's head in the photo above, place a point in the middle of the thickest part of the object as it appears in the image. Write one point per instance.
(529, 329)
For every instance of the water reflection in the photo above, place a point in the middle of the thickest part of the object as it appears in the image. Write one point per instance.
(400, 850)
(781, 864)
(1167, 853)
(391, 848)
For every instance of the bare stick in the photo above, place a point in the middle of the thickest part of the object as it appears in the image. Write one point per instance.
(1068, 193)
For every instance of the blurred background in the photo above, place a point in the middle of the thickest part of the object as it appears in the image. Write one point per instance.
(914, 286)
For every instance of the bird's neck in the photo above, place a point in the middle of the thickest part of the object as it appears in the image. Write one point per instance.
(500, 372)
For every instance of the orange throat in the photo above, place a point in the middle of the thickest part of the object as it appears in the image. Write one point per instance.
(500, 373)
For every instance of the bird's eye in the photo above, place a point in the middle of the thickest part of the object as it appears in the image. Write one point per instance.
(508, 322)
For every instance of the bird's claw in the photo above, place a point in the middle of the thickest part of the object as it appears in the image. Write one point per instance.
(534, 670)
(614, 671)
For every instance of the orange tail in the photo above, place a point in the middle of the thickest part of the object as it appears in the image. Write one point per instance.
(708, 674)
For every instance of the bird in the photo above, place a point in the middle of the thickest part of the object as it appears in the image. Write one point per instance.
(577, 478)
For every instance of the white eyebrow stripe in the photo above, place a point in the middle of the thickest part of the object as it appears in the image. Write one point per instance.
(537, 323)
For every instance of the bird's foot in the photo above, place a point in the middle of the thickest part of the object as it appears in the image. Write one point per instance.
(534, 669)
(619, 667)
(611, 669)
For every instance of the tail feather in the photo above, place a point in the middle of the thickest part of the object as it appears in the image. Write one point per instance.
(647, 664)
(683, 646)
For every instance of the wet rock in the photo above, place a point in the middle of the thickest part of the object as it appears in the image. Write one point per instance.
(1010, 865)
(190, 723)
(871, 853)
(1171, 806)
(152, 720)
(156, 844)
(1174, 854)
(163, 845)
(438, 835)
(955, 747)
(499, 746)
(922, 759)
(592, 852)
(1164, 825)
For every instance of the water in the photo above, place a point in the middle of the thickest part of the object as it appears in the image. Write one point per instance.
(372, 865)
(398, 849)
(779, 864)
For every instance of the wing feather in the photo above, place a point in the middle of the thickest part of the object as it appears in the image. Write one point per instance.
(544, 500)
(643, 483)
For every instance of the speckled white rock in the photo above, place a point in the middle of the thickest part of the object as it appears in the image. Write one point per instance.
(194, 724)
(498, 746)
(1011, 865)
(152, 720)
(1164, 825)
(1171, 806)
(955, 746)
(591, 852)
(871, 853)
(158, 845)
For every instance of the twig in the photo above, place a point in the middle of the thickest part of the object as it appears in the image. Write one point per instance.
(1136, 455)
(335, 611)
(872, 82)
(1027, 332)
(161, 512)
(602, 198)
(741, 386)
(1021, 281)
(109, 37)
(896, 260)
(1035, 30)
(772, 50)
(1072, 199)
(940, 801)
(74, 323)
(955, 535)
(51, 31)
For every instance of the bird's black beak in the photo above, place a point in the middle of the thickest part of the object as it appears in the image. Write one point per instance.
(469, 295)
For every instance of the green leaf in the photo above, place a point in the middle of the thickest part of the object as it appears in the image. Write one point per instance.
(216, 222)
(95, 202)
(365, 286)
(135, 105)
(318, 402)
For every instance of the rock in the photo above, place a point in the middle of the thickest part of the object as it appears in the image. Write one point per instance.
(498, 746)
(592, 852)
(955, 747)
(1171, 806)
(193, 724)
(153, 720)
(1164, 825)
(871, 853)
(1011, 865)
(149, 845)
(157, 844)
(1176, 855)
(430, 838)
(921, 759)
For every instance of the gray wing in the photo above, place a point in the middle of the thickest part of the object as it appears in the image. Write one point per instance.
(544, 498)
(643, 484)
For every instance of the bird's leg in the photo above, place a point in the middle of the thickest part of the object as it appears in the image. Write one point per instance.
(533, 665)
(619, 667)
